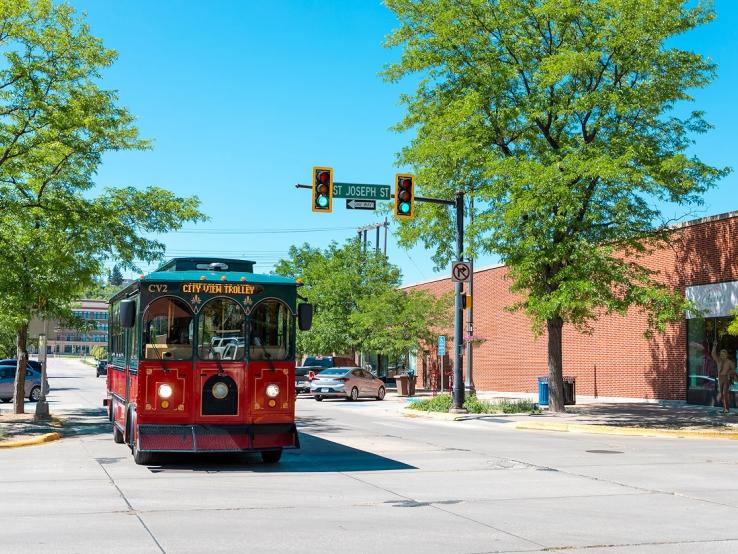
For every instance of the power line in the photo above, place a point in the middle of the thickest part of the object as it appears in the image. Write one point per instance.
(208, 231)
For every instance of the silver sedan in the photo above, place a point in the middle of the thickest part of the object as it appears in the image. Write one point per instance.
(350, 383)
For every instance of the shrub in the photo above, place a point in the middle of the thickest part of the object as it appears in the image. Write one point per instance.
(442, 403)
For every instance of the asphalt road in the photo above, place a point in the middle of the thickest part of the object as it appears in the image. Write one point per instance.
(368, 480)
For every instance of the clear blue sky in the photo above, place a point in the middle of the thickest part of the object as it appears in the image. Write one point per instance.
(242, 98)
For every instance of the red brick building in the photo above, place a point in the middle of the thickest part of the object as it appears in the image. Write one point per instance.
(617, 360)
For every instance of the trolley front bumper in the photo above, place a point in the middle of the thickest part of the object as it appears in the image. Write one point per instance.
(217, 438)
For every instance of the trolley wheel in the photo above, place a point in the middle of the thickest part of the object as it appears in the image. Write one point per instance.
(142, 458)
(354, 394)
(319, 398)
(380, 393)
(117, 435)
(271, 456)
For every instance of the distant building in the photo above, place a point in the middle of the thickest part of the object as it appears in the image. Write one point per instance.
(63, 340)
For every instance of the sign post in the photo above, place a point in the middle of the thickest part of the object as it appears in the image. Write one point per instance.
(441, 355)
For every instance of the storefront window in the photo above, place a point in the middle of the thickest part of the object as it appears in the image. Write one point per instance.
(167, 330)
(271, 331)
(707, 337)
(221, 328)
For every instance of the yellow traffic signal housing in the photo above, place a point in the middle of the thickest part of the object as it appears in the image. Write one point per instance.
(404, 196)
(322, 185)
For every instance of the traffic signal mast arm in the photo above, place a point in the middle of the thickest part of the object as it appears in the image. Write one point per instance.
(392, 196)
(457, 405)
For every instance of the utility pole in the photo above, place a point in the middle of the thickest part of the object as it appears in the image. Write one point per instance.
(386, 226)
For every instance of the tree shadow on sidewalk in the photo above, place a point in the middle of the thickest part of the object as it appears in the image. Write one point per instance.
(653, 416)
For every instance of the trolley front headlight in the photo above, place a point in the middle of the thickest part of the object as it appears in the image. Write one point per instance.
(272, 391)
(219, 390)
(165, 391)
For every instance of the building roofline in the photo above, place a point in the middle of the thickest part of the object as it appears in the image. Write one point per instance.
(706, 219)
(682, 225)
(436, 279)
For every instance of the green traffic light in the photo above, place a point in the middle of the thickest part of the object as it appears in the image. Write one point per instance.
(322, 202)
(404, 208)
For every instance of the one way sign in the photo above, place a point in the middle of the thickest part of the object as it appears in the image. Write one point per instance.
(353, 204)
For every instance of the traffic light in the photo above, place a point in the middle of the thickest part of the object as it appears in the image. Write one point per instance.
(404, 196)
(323, 189)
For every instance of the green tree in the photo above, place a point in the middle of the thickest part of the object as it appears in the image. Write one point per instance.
(116, 277)
(558, 116)
(56, 124)
(99, 352)
(733, 327)
(357, 304)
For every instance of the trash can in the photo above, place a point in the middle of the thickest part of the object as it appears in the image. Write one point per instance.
(570, 391)
(411, 379)
(543, 391)
(402, 384)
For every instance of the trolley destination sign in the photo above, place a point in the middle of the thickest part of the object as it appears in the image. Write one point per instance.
(220, 288)
(359, 191)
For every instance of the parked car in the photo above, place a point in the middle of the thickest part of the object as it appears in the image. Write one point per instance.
(35, 364)
(329, 361)
(303, 375)
(350, 383)
(101, 368)
(33, 383)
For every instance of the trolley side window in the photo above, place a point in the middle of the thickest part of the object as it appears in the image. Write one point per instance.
(220, 330)
(168, 330)
(271, 331)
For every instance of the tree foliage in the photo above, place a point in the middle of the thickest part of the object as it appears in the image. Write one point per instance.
(116, 276)
(56, 122)
(560, 116)
(733, 327)
(358, 306)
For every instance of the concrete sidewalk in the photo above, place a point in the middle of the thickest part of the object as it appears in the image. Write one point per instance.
(626, 418)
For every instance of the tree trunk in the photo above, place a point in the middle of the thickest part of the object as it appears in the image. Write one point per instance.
(21, 340)
(555, 365)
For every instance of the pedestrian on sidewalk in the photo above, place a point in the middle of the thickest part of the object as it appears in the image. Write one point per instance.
(726, 374)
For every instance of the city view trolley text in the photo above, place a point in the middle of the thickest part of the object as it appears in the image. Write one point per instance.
(202, 359)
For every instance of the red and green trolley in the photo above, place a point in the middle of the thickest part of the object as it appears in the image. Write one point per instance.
(202, 359)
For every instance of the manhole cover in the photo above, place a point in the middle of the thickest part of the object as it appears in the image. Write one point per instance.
(604, 451)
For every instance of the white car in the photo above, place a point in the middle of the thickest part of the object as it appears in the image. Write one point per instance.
(349, 383)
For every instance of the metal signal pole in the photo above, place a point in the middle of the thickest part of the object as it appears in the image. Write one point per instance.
(457, 405)
(469, 383)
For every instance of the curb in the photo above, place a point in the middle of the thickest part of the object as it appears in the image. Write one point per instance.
(409, 412)
(41, 439)
(632, 431)
(444, 416)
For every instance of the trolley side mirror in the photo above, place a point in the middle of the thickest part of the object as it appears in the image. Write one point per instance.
(305, 317)
(127, 313)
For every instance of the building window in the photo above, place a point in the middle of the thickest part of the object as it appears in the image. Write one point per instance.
(706, 337)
